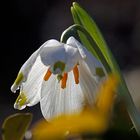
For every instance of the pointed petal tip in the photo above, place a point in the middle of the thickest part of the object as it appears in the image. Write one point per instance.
(14, 88)
(18, 107)
(21, 101)
(17, 82)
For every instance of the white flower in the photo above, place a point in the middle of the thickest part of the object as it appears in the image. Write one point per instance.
(59, 76)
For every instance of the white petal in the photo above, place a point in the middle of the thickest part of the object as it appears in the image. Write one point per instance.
(63, 53)
(73, 42)
(72, 57)
(32, 87)
(53, 52)
(94, 65)
(24, 71)
(91, 61)
(27, 66)
(58, 101)
(87, 83)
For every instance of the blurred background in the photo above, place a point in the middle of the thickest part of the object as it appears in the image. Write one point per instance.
(26, 24)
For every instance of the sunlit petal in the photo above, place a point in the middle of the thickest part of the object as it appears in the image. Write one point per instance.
(74, 43)
(73, 56)
(94, 65)
(27, 66)
(50, 55)
(24, 71)
(32, 87)
(87, 82)
(56, 100)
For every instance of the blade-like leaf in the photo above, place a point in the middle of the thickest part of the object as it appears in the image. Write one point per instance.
(85, 20)
(82, 36)
(15, 126)
(81, 17)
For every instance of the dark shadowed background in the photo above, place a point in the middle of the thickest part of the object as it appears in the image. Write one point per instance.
(26, 24)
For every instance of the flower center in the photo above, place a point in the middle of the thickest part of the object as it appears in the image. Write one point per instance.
(58, 67)
(63, 77)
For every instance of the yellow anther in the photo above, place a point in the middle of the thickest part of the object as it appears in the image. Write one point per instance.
(64, 80)
(47, 75)
(76, 74)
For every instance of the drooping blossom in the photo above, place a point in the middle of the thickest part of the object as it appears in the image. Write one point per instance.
(59, 76)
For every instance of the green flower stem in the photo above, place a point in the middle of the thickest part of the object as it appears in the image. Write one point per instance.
(72, 31)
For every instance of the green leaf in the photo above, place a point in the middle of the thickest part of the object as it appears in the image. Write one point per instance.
(82, 36)
(82, 18)
(15, 126)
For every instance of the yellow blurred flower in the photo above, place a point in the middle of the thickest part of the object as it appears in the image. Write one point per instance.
(93, 119)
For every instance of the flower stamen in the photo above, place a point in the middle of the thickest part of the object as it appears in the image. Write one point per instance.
(47, 75)
(64, 80)
(76, 74)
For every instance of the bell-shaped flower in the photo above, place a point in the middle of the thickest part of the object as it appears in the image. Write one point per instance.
(59, 76)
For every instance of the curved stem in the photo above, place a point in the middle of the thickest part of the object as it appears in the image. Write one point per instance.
(72, 31)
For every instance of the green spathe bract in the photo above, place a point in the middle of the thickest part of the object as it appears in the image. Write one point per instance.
(82, 18)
